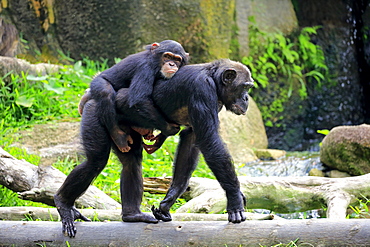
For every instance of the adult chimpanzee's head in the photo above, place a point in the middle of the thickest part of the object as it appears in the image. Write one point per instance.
(171, 56)
(234, 80)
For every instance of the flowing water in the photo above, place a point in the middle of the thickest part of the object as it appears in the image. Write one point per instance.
(294, 164)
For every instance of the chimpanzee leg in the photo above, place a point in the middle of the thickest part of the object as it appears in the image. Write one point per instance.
(185, 163)
(132, 183)
(97, 144)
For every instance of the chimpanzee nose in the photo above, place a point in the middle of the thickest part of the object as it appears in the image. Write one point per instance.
(172, 64)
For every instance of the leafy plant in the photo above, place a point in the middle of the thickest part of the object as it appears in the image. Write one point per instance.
(281, 62)
(362, 210)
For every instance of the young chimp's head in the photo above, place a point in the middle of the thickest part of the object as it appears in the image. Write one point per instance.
(233, 81)
(170, 56)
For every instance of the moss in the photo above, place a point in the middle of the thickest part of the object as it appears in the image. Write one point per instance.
(218, 18)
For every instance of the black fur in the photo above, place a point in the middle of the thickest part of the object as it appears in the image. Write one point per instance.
(99, 119)
(193, 98)
(138, 73)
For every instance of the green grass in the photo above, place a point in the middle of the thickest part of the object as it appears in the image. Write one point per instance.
(27, 100)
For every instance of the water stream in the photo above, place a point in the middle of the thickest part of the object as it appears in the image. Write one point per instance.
(294, 164)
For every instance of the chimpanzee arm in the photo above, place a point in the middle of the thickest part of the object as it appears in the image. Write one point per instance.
(203, 112)
(141, 109)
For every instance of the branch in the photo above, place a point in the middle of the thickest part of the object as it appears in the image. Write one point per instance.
(282, 194)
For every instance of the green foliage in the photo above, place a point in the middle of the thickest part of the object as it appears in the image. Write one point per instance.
(27, 99)
(324, 131)
(362, 210)
(286, 64)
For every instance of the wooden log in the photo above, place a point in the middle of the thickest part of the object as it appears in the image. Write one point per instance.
(40, 183)
(51, 214)
(282, 194)
(317, 232)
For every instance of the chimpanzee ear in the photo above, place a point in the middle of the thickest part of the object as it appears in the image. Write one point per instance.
(154, 46)
(228, 76)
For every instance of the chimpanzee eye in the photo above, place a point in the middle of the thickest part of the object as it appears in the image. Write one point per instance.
(177, 59)
(167, 57)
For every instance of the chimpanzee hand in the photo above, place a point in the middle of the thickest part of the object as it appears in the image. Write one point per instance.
(238, 215)
(69, 215)
(161, 215)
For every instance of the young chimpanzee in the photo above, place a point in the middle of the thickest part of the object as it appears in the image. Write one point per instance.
(193, 97)
(138, 73)
(100, 131)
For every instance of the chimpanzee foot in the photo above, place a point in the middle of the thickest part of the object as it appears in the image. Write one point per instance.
(68, 216)
(161, 215)
(236, 216)
(141, 217)
(121, 139)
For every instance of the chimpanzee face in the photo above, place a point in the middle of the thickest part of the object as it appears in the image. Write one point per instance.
(171, 56)
(237, 81)
(170, 64)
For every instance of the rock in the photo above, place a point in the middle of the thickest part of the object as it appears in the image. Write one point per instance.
(269, 154)
(240, 133)
(347, 149)
(337, 174)
(105, 29)
(316, 173)
(51, 141)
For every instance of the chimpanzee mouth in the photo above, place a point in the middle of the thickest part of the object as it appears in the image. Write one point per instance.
(238, 110)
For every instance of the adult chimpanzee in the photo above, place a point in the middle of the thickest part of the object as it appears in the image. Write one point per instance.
(100, 130)
(138, 73)
(193, 97)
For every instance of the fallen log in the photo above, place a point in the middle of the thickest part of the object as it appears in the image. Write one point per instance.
(40, 183)
(317, 232)
(51, 214)
(282, 194)
(18, 66)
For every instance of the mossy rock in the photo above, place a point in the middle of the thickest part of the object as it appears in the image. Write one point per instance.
(347, 149)
(241, 133)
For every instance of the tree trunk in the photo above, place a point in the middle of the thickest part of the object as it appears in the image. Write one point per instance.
(40, 183)
(17, 66)
(318, 232)
(280, 194)
(51, 214)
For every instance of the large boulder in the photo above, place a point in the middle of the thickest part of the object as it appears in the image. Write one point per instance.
(347, 148)
(243, 133)
(109, 29)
